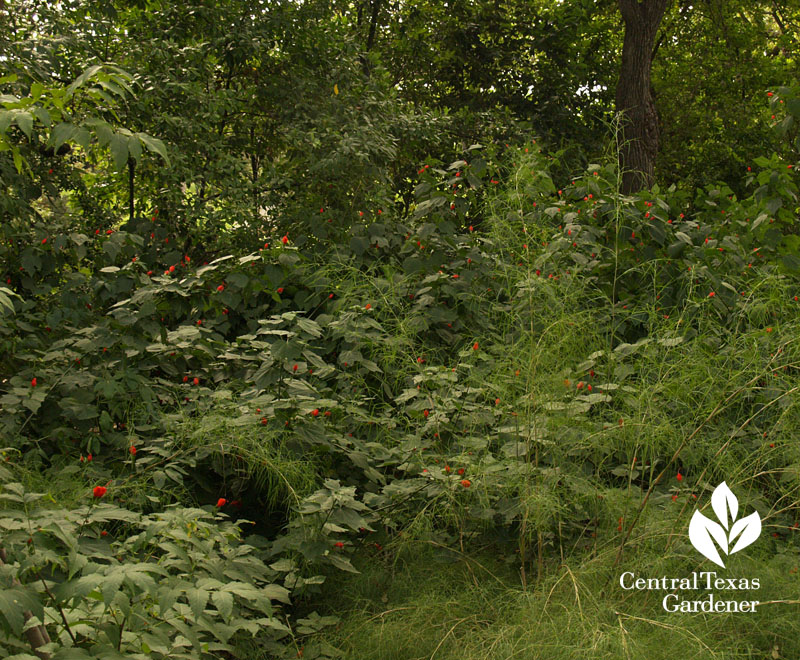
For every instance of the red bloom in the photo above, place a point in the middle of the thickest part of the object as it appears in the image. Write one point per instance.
(104, 533)
(89, 458)
(712, 294)
(315, 412)
(679, 477)
(221, 287)
(294, 368)
(221, 502)
(280, 289)
(186, 379)
(460, 471)
(132, 450)
(196, 381)
(33, 382)
(99, 491)
(44, 240)
(475, 346)
(285, 240)
(425, 412)
(338, 544)
(263, 421)
(466, 483)
(368, 306)
(172, 269)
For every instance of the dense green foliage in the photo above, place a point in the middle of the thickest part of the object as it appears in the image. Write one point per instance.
(296, 291)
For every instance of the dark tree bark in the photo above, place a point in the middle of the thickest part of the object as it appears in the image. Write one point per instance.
(638, 141)
(131, 168)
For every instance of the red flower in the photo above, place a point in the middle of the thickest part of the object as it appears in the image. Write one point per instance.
(497, 402)
(221, 287)
(132, 450)
(425, 413)
(315, 412)
(280, 289)
(285, 240)
(104, 533)
(196, 381)
(186, 379)
(263, 421)
(294, 368)
(679, 477)
(99, 491)
(172, 269)
(330, 296)
(466, 483)
(221, 502)
(460, 471)
(338, 544)
(44, 240)
(447, 469)
(89, 458)
(33, 382)
(475, 346)
(712, 294)
(368, 306)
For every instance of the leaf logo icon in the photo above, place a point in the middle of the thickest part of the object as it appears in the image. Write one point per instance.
(706, 535)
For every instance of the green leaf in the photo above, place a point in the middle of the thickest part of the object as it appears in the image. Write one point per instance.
(119, 151)
(197, 600)
(73, 653)
(24, 121)
(343, 563)
(155, 145)
(61, 134)
(224, 603)
(81, 79)
(276, 592)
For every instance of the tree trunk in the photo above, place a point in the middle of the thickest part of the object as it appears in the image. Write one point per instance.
(638, 141)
